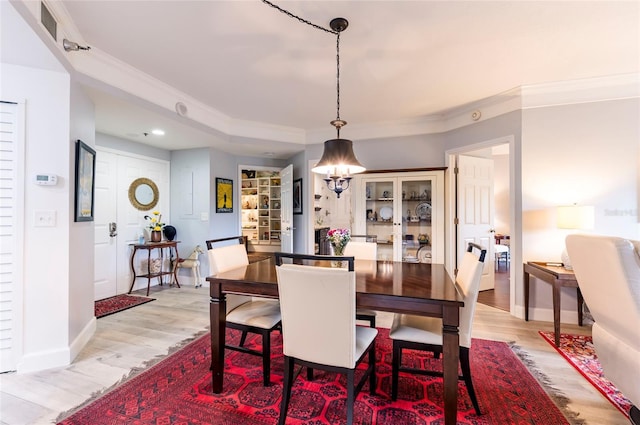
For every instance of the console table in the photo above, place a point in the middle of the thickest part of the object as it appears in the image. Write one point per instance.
(171, 246)
(557, 277)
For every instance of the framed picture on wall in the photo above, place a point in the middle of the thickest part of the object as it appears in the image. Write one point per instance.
(224, 195)
(85, 181)
(297, 196)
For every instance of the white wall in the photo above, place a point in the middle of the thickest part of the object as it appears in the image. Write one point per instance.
(585, 154)
(45, 322)
(501, 197)
(81, 235)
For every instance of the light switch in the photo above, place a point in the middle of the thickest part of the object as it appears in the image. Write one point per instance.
(204, 216)
(44, 218)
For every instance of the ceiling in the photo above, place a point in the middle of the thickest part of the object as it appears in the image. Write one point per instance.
(399, 60)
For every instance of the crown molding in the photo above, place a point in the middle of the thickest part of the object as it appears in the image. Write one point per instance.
(598, 89)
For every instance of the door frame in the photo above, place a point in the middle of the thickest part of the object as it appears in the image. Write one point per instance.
(514, 224)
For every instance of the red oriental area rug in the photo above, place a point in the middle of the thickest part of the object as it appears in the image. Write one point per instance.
(118, 303)
(177, 390)
(578, 350)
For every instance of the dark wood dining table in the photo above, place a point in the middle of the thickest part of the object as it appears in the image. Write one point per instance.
(412, 288)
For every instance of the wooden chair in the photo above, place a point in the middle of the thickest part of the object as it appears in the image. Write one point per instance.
(321, 338)
(425, 333)
(256, 315)
(363, 250)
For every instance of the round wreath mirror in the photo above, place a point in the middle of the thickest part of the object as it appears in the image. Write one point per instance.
(143, 194)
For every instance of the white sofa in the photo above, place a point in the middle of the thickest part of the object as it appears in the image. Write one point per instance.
(608, 273)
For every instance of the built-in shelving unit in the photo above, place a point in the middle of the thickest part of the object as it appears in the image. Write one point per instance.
(260, 207)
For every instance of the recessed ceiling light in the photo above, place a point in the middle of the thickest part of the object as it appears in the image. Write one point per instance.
(157, 132)
(268, 153)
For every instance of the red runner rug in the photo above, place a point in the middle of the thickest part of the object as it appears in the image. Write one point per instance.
(578, 350)
(177, 390)
(118, 303)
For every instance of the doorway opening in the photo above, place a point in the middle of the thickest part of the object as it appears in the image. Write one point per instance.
(494, 228)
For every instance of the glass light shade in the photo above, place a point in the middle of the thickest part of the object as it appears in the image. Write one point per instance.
(338, 159)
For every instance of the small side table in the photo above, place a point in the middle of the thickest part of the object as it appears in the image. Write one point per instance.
(150, 246)
(557, 277)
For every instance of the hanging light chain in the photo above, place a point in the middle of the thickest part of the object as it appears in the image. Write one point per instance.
(338, 123)
(304, 21)
(338, 80)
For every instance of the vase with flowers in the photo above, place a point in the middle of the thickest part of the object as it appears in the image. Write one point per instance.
(155, 225)
(338, 239)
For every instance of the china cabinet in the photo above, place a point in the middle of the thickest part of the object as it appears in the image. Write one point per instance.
(404, 211)
(260, 207)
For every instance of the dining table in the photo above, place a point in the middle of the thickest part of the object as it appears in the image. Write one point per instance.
(398, 287)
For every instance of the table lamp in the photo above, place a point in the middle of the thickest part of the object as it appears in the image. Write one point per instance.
(574, 217)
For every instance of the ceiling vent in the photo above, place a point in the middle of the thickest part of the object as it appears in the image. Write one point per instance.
(48, 21)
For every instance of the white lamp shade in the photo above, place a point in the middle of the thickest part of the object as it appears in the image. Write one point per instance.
(575, 217)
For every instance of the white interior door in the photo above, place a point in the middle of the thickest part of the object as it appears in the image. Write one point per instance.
(12, 182)
(114, 174)
(475, 211)
(105, 249)
(286, 209)
(131, 222)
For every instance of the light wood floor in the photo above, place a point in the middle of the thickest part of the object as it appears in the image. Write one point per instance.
(128, 339)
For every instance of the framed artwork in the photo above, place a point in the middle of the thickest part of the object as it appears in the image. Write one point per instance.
(85, 181)
(224, 195)
(297, 196)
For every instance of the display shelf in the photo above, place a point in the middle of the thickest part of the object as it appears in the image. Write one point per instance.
(260, 192)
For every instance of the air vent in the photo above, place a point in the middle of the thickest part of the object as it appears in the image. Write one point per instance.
(48, 21)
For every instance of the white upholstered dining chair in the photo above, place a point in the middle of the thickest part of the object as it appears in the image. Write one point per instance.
(317, 340)
(425, 333)
(608, 272)
(256, 315)
(363, 250)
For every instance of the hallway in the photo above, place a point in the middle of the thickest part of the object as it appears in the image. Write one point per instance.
(499, 296)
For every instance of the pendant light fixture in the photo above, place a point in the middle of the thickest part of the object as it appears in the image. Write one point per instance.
(338, 161)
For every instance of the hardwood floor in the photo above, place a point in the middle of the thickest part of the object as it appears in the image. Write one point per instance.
(499, 296)
(132, 338)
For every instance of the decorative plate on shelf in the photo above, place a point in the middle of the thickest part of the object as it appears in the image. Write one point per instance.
(386, 213)
(423, 210)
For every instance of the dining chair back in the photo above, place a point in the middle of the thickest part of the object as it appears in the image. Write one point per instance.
(425, 333)
(363, 250)
(315, 338)
(256, 315)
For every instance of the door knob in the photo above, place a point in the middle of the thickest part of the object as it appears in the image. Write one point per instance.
(113, 230)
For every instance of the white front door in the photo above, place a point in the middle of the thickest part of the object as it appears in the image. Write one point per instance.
(475, 211)
(114, 173)
(286, 209)
(106, 248)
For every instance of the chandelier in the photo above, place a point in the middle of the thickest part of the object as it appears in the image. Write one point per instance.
(338, 162)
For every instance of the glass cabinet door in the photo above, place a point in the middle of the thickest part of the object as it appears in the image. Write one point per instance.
(415, 211)
(404, 212)
(380, 195)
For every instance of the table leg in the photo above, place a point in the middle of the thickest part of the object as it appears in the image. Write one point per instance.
(556, 312)
(580, 306)
(451, 358)
(175, 265)
(133, 270)
(148, 271)
(526, 296)
(217, 316)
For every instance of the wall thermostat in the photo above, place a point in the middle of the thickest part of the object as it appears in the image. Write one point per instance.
(46, 179)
